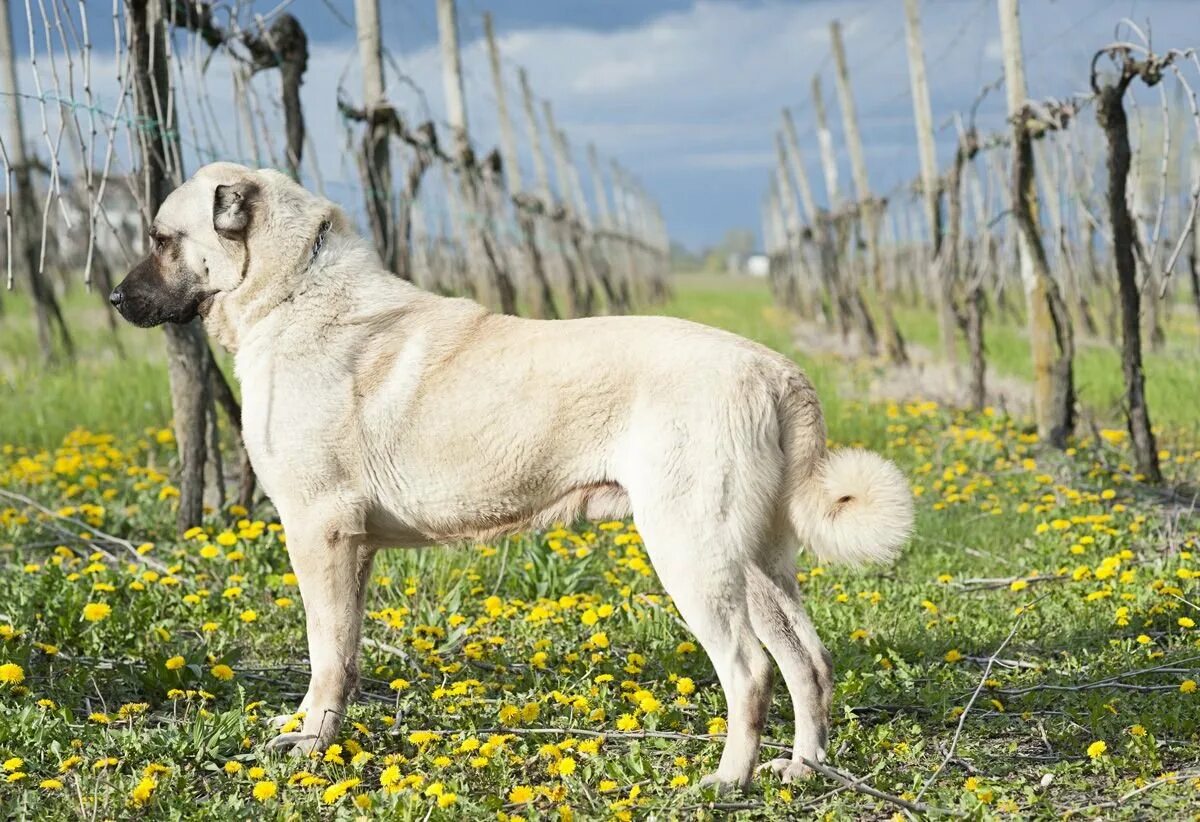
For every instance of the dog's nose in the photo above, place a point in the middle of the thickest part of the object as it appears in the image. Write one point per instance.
(116, 298)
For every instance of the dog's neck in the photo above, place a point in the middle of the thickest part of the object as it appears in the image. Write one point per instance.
(229, 314)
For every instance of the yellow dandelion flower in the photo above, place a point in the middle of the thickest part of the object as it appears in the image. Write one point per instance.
(11, 674)
(140, 795)
(96, 611)
(264, 791)
(1097, 749)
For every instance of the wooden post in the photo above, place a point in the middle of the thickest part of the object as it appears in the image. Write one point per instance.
(869, 209)
(188, 358)
(622, 273)
(541, 174)
(47, 314)
(1050, 334)
(579, 287)
(508, 138)
(482, 249)
(833, 197)
(796, 157)
(942, 273)
(789, 283)
(827, 231)
(376, 146)
(541, 296)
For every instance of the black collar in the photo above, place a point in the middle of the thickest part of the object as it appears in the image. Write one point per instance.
(319, 243)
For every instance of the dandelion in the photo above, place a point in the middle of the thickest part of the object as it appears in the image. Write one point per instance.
(1188, 686)
(50, 785)
(264, 791)
(953, 655)
(248, 616)
(566, 765)
(627, 722)
(679, 780)
(390, 776)
(174, 663)
(521, 794)
(140, 795)
(1097, 749)
(685, 686)
(96, 611)
(222, 672)
(338, 789)
(1187, 622)
(13, 764)
(11, 674)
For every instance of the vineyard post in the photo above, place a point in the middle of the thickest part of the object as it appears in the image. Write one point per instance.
(809, 214)
(376, 143)
(869, 207)
(828, 239)
(46, 311)
(1050, 333)
(549, 234)
(620, 274)
(838, 235)
(789, 284)
(579, 281)
(483, 253)
(943, 272)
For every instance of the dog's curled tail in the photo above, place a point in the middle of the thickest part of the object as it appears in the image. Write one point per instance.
(855, 508)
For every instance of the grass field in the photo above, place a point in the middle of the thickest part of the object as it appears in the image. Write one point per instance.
(1034, 652)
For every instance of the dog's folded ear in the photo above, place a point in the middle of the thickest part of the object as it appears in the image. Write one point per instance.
(233, 206)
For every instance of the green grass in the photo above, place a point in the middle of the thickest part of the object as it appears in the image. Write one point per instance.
(119, 386)
(1172, 374)
(1091, 576)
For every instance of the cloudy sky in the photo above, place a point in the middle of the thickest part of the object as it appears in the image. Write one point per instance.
(687, 95)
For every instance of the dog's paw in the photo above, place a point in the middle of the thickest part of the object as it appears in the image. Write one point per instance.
(296, 744)
(786, 770)
(724, 783)
(283, 720)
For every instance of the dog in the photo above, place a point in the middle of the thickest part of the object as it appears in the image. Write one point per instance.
(376, 414)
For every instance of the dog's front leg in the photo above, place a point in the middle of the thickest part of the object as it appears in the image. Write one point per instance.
(332, 571)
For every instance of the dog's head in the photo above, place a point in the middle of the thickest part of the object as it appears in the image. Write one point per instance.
(225, 226)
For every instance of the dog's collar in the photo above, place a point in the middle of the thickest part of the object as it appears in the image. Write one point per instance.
(319, 243)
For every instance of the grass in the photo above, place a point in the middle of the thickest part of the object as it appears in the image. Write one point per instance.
(1172, 373)
(549, 672)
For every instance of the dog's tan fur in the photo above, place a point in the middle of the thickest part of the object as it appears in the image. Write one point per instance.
(376, 414)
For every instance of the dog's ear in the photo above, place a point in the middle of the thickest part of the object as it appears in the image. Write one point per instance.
(233, 207)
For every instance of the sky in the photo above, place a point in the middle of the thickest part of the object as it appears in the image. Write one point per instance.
(687, 95)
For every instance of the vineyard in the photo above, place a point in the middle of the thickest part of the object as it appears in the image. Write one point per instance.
(1017, 327)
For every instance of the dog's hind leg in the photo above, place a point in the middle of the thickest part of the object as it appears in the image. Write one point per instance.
(779, 620)
(707, 583)
(332, 570)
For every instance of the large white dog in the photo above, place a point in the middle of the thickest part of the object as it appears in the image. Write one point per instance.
(376, 414)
